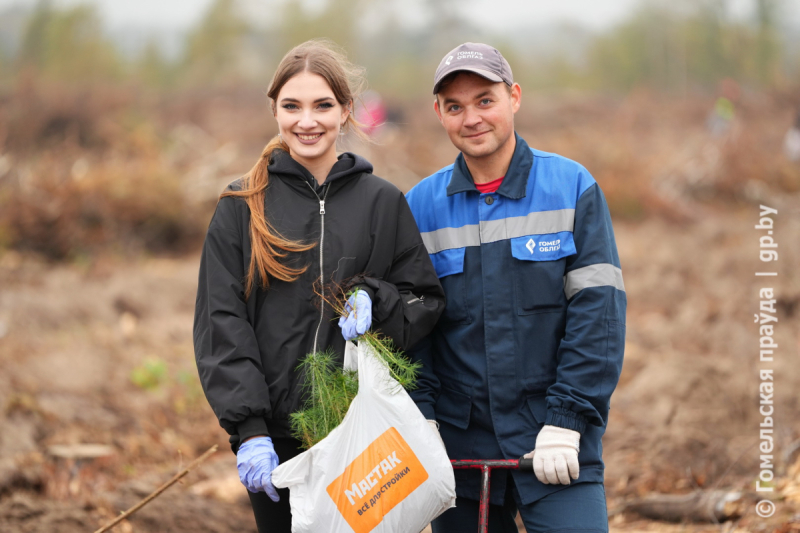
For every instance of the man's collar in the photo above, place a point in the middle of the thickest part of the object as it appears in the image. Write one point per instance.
(515, 182)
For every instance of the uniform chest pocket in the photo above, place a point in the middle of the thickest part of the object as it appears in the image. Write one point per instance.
(449, 266)
(539, 266)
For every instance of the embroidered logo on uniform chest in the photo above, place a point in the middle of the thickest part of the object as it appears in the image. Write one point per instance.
(549, 246)
(531, 246)
(544, 246)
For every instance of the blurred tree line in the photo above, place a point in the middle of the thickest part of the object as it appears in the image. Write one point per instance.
(99, 141)
(667, 50)
(658, 46)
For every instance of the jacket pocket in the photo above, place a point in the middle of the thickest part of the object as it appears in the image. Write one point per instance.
(449, 266)
(539, 266)
(537, 405)
(454, 407)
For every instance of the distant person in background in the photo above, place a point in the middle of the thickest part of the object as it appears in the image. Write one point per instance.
(791, 142)
(371, 114)
(720, 119)
(529, 348)
(303, 216)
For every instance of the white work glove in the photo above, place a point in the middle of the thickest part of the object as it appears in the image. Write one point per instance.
(435, 427)
(555, 458)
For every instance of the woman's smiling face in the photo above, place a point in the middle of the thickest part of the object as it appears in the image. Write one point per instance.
(309, 118)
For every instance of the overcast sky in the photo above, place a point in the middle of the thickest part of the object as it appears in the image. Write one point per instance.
(496, 14)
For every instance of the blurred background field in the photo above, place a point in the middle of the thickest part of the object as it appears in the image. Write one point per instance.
(116, 140)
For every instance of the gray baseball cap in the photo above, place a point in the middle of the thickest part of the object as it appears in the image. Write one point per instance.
(481, 59)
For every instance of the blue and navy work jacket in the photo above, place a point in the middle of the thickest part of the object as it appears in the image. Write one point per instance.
(534, 327)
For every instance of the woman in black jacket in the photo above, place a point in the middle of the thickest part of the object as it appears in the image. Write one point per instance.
(301, 216)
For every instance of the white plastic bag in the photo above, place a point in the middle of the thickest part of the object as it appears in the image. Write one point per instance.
(381, 470)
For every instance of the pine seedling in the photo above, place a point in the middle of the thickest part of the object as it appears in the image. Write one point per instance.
(402, 369)
(330, 390)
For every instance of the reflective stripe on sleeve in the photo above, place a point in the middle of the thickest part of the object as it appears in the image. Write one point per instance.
(535, 223)
(449, 238)
(597, 275)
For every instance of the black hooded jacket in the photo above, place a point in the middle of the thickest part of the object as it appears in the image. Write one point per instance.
(247, 351)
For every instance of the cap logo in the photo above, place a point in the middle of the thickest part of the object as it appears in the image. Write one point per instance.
(469, 55)
(449, 59)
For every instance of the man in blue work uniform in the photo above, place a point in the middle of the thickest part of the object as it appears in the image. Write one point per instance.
(529, 348)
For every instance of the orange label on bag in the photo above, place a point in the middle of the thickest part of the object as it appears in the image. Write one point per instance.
(377, 480)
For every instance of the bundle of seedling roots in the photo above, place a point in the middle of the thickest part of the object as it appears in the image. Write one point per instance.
(330, 389)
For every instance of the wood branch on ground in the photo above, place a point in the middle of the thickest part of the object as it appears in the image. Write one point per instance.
(159, 490)
(80, 451)
(700, 506)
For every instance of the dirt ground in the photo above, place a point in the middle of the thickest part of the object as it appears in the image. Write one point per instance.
(96, 349)
(684, 415)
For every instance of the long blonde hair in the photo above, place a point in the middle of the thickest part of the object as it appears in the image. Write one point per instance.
(268, 246)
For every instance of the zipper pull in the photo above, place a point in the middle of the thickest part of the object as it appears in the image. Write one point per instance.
(322, 207)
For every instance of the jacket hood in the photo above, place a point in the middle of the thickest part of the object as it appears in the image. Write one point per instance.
(349, 164)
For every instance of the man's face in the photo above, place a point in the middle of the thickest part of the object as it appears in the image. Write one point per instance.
(477, 114)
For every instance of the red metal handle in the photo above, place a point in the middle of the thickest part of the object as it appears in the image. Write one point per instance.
(486, 466)
(522, 463)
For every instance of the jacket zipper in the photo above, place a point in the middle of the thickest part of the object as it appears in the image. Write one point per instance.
(321, 257)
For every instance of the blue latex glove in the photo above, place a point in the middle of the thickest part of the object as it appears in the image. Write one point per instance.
(255, 460)
(359, 315)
